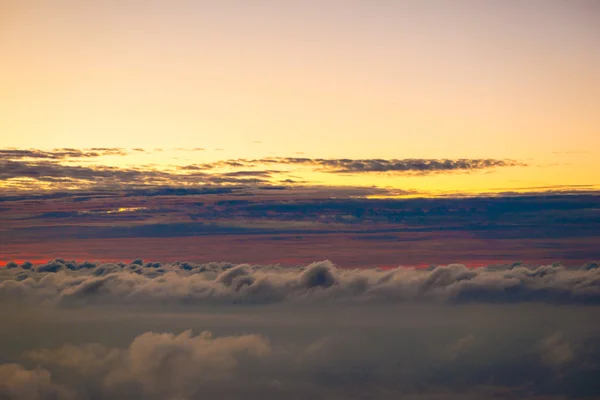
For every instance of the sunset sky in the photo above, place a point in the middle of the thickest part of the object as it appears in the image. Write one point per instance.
(296, 100)
(336, 79)
(299, 199)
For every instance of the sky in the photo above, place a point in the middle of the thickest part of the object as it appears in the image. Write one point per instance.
(226, 124)
(157, 116)
(266, 199)
(335, 79)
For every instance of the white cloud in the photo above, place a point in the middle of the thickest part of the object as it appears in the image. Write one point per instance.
(183, 283)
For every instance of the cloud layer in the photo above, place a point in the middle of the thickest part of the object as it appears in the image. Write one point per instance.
(420, 166)
(106, 177)
(218, 330)
(296, 225)
(185, 365)
(161, 365)
(71, 283)
(17, 382)
(27, 169)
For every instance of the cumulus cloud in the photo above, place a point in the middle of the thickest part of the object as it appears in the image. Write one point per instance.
(186, 366)
(17, 382)
(91, 358)
(71, 283)
(124, 330)
(162, 365)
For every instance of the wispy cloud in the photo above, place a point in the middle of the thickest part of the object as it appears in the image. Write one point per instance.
(31, 169)
(49, 171)
(61, 154)
(66, 175)
(356, 166)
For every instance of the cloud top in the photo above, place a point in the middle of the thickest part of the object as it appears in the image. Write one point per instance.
(70, 283)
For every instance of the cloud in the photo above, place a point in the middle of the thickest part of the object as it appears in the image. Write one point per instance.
(62, 154)
(461, 346)
(71, 283)
(399, 365)
(49, 171)
(105, 177)
(162, 365)
(555, 350)
(421, 166)
(180, 364)
(27, 169)
(16, 382)
(89, 358)
(142, 329)
(299, 224)
(409, 166)
(250, 173)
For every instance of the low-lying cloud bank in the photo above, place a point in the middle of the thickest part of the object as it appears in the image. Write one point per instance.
(187, 366)
(165, 366)
(160, 365)
(17, 382)
(71, 283)
(145, 330)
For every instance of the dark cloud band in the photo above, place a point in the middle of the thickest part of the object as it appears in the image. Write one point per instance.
(355, 166)
(40, 168)
(61, 154)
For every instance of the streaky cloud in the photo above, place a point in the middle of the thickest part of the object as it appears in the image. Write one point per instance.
(357, 166)
(62, 154)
